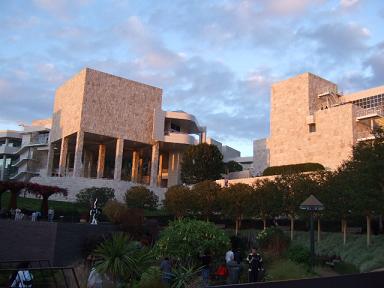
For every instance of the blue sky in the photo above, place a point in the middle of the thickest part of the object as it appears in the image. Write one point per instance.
(214, 59)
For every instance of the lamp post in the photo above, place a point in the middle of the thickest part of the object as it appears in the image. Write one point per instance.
(312, 204)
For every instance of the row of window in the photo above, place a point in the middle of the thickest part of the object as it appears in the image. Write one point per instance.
(370, 102)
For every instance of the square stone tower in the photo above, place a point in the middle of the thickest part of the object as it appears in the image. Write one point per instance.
(305, 128)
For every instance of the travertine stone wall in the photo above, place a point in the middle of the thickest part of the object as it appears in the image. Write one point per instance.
(75, 184)
(67, 108)
(363, 94)
(260, 156)
(119, 108)
(291, 142)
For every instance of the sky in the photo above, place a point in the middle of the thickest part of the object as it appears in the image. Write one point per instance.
(214, 59)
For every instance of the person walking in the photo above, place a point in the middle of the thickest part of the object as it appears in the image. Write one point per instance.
(166, 271)
(255, 262)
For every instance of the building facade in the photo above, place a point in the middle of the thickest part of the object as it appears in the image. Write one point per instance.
(311, 121)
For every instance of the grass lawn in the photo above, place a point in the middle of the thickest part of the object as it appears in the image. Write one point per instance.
(284, 269)
(67, 209)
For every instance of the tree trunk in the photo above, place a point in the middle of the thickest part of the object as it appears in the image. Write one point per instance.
(13, 201)
(44, 206)
(318, 229)
(368, 231)
(264, 224)
(344, 230)
(292, 226)
(380, 223)
(236, 226)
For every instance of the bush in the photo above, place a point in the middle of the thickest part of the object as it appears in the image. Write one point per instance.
(185, 239)
(88, 196)
(292, 169)
(273, 240)
(299, 254)
(151, 278)
(286, 270)
(115, 211)
(141, 197)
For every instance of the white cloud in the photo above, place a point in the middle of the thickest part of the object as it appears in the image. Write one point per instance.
(348, 3)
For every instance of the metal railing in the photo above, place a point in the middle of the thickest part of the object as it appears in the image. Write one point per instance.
(361, 112)
(52, 277)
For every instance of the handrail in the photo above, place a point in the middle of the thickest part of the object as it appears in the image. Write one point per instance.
(67, 283)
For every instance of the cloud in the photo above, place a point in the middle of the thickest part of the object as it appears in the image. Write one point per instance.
(348, 3)
(63, 9)
(341, 41)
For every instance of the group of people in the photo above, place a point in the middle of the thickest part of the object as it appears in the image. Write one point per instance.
(231, 270)
(18, 215)
(234, 266)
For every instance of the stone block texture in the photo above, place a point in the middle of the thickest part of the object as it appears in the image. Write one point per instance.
(291, 141)
(100, 103)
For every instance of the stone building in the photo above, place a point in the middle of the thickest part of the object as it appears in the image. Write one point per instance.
(312, 121)
(104, 126)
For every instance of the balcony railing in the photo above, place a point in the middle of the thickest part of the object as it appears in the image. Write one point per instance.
(374, 111)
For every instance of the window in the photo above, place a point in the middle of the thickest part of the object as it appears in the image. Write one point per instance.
(312, 128)
(175, 127)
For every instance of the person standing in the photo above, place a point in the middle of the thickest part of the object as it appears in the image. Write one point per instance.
(233, 272)
(166, 271)
(229, 255)
(206, 262)
(255, 262)
(23, 278)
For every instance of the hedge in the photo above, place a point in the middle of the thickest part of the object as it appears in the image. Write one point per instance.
(292, 169)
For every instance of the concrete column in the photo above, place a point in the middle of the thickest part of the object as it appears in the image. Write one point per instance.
(51, 153)
(63, 156)
(154, 164)
(101, 161)
(203, 136)
(135, 164)
(3, 168)
(140, 171)
(118, 158)
(78, 166)
(160, 170)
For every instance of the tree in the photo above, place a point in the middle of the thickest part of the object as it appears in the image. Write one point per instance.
(232, 166)
(295, 188)
(179, 200)
(267, 200)
(338, 197)
(184, 239)
(87, 196)
(205, 197)
(45, 192)
(235, 202)
(201, 162)
(15, 188)
(141, 197)
(366, 168)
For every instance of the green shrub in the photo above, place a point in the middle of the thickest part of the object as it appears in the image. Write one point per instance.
(185, 239)
(273, 240)
(151, 278)
(354, 252)
(285, 270)
(299, 254)
(87, 196)
(292, 169)
(115, 211)
(141, 197)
